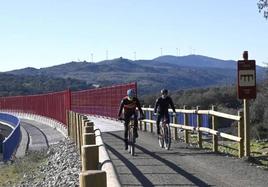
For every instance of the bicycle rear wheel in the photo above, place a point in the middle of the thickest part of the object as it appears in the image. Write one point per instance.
(167, 137)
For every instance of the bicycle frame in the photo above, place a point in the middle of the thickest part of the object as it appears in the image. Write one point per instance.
(131, 137)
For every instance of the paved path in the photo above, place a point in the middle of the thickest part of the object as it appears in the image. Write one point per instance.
(180, 166)
(53, 136)
(106, 125)
(40, 135)
(37, 139)
(23, 145)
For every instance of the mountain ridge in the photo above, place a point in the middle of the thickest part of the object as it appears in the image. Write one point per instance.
(172, 72)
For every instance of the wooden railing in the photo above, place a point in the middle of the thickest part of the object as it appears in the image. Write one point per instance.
(97, 169)
(215, 115)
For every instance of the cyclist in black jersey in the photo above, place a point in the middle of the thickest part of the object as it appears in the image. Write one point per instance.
(161, 107)
(129, 104)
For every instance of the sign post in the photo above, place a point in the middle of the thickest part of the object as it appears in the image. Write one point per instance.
(246, 89)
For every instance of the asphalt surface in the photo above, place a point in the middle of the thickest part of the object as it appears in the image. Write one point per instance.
(36, 136)
(40, 135)
(180, 166)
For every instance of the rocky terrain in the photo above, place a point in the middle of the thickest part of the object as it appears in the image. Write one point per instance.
(57, 166)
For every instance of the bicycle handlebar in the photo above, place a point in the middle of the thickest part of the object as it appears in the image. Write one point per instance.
(123, 119)
(172, 114)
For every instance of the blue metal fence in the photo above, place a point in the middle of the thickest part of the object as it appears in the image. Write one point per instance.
(192, 119)
(11, 142)
(205, 122)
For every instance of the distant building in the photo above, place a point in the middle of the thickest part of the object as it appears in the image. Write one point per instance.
(96, 85)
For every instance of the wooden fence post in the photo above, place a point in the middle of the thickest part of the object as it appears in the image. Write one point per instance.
(93, 178)
(214, 127)
(89, 139)
(185, 122)
(78, 132)
(84, 125)
(145, 125)
(175, 128)
(89, 128)
(71, 124)
(199, 124)
(89, 124)
(90, 157)
(81, 121)
(68, 122)
(81, 128)
(241, 134)
(140, 126)
(141, 121)
(75, 127)
(246, 128)
(151, 118)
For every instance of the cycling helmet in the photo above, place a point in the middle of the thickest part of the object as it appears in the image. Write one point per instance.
(130, 93)
(164, 91)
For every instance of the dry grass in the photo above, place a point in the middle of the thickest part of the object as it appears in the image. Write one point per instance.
(258, 149)
(12, 173)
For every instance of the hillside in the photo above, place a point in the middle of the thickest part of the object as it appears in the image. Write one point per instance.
(26, 85)
(172, 72)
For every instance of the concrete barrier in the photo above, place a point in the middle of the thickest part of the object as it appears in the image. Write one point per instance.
(10, 127)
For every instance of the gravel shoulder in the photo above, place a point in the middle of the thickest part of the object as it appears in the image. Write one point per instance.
(59, 165)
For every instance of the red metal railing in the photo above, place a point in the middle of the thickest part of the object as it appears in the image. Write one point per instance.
(52, 105)
(101, 101)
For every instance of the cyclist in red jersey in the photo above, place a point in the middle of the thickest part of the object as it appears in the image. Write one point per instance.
(129, 104)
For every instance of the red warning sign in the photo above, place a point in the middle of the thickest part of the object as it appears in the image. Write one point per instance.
(246, 79)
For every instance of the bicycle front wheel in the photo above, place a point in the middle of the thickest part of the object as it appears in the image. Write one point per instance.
(160, 137)
(167, 137)
(131, 140)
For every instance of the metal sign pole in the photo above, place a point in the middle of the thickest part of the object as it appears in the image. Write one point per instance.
(246, 77)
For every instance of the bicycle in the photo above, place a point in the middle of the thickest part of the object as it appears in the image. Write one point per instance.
(131, 137)
(164, 139)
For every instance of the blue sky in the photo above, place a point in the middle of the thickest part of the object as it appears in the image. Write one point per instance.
(35, 33)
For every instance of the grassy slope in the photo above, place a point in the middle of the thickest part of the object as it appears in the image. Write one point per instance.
(12, 174)
(258, 149)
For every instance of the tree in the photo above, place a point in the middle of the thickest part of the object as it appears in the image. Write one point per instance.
(263, 7)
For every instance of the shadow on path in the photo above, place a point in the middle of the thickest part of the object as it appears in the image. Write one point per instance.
(135, 171)
(171, 165)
